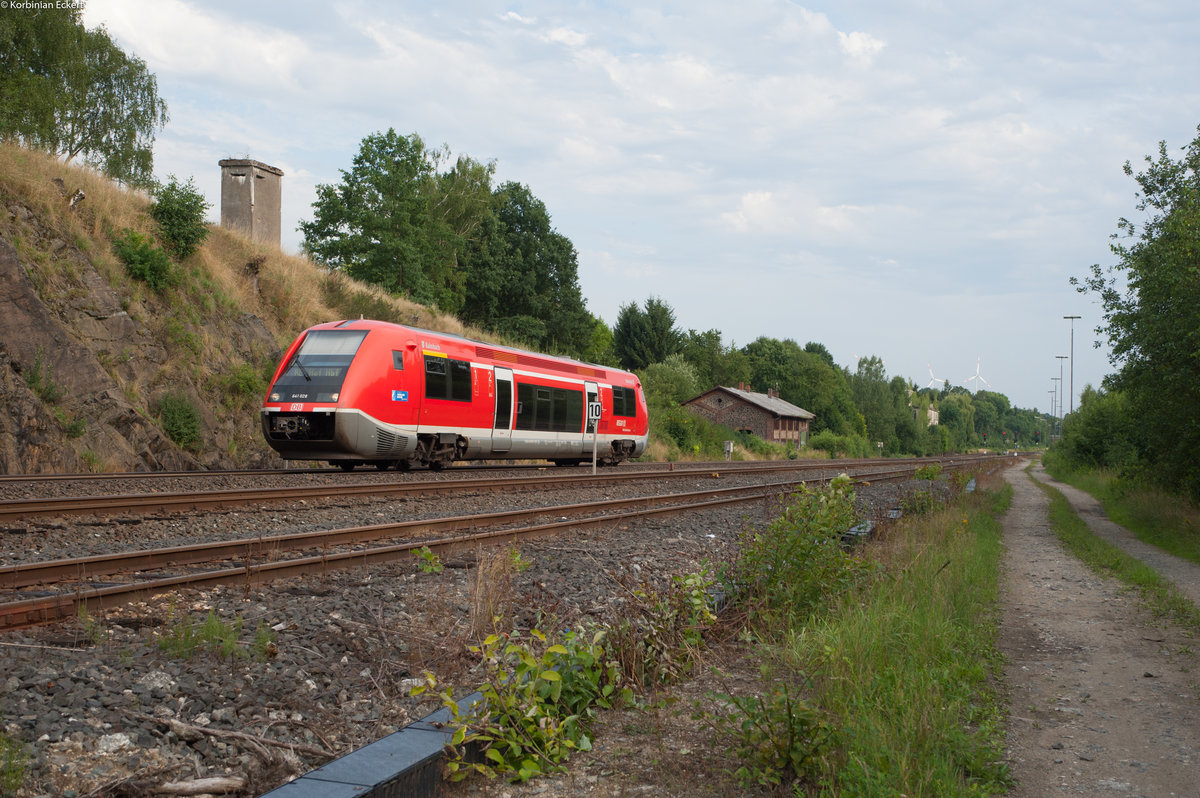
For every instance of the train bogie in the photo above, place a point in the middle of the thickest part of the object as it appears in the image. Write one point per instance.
(366, 392)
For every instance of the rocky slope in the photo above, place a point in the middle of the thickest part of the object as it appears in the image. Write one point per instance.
(88, 354)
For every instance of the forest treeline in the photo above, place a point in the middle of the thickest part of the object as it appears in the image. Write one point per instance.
(433, 227)
(1143, 422)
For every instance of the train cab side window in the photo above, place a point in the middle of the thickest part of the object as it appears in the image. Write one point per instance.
(447, 379)
(397, 360)
(624, 402)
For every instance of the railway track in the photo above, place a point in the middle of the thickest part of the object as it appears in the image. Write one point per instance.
(19, 509)
(77, 585)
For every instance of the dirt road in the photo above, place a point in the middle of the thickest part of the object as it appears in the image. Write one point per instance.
(1105, 698)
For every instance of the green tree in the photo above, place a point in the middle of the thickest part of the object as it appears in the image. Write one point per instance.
(645, 335)
(522, 277)
(1151, 302)
(670, 382)
(377, 225)
(806, 380)
(75, 93)
(714, 362)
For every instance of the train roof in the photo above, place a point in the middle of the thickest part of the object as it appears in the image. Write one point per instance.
(495, 352)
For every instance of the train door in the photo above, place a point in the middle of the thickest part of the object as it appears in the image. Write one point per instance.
(592, 393)
(502, 426)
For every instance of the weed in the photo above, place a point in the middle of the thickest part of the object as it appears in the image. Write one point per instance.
(72, 427)
(92, 628)
(144, 261)
(798, 564)
(919, 502)
(13, 763)
(184, 638)
(40, 379)
(930, 472)
(180, 420)
(778, 738)
(428, 562)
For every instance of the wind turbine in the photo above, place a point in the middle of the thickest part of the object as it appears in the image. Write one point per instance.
(977, 377)
(933, 379)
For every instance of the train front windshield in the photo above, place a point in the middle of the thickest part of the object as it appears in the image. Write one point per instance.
(318, 368)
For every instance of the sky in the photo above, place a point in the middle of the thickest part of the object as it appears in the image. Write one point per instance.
(916, 181)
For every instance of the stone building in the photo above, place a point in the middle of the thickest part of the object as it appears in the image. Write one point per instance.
(761, 414)
(250, 199)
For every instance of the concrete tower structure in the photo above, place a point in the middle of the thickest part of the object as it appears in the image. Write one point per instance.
(250, 199)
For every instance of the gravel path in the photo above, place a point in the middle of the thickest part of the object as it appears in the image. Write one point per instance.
(1104, 697)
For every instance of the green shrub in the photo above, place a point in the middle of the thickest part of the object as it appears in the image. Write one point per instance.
(180, 420)
(539, 700)
(798, 564)
(144, 261)
(179, 211)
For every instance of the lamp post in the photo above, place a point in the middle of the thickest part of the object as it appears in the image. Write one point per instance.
(1058, 397)
(1061, 358)
(1072, 318)
(1051, 435)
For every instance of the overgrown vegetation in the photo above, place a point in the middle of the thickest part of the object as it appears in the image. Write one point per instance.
(1170, 522)
(880, 667)
(144, 260)
(180, 420)
(901, 659)
(13, 764)
(184, 638)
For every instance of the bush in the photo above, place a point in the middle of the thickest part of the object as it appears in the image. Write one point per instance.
(797, 564)
(179, 211)
(180, 420)
(143, 260)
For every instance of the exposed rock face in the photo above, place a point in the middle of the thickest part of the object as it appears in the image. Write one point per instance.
(80, 377)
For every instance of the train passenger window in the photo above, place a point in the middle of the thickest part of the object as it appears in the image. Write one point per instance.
(447, 379)
(397, 360)
(525, 412)
(460, 380)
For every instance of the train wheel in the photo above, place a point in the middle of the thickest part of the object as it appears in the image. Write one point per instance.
(346, 466)
(436, 465)
(403, 465)
(382, 465)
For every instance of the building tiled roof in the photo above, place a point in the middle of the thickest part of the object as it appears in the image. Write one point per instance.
(772, 404)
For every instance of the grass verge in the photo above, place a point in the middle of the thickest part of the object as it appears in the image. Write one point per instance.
(905, 663)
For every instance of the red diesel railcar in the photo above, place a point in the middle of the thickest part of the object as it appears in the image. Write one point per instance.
(371, 392)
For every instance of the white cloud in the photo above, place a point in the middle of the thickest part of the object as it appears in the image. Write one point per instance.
(861, 47)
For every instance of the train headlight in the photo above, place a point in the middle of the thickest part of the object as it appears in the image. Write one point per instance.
(333, 397)
(275, 396)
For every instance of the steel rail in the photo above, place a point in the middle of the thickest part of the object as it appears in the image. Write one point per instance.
(61, 606)
(23, 575)
(58, 607)
(200, 500)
